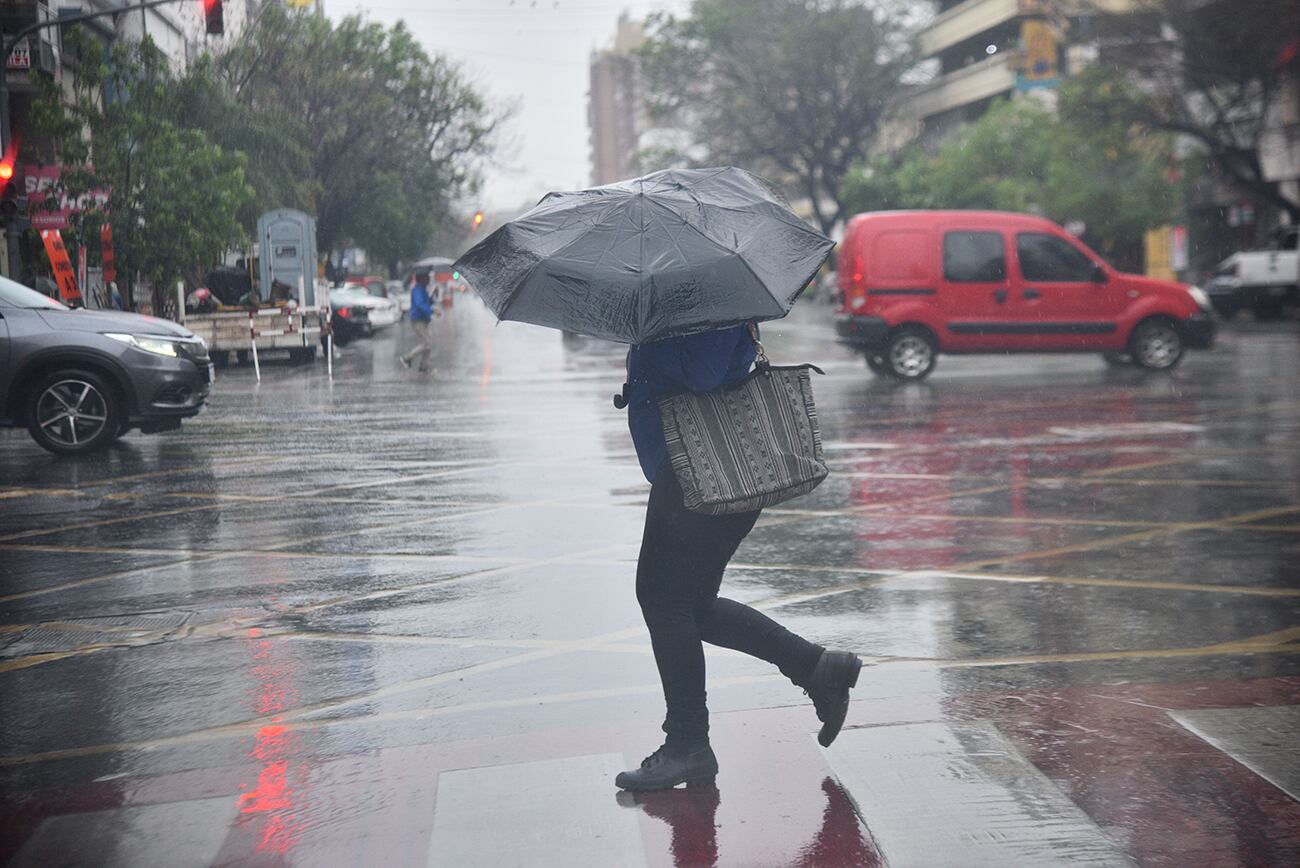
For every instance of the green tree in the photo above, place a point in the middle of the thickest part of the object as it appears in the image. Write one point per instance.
(174, 197)
(792, 89)
(391, 136)
(1217, 71)
(1083, 162)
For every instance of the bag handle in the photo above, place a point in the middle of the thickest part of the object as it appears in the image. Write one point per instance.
(760, 357)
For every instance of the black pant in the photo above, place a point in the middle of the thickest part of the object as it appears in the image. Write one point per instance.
(683, 555)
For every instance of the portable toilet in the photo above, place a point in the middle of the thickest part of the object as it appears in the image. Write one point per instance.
(287, 253)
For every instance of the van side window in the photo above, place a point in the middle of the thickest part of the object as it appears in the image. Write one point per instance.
(974, 257)
(1047, 258)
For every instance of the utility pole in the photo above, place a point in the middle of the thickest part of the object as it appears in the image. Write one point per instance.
(7, 46)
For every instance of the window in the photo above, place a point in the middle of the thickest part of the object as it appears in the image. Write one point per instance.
(1285, 239)
(974, 257)
(1046, 257)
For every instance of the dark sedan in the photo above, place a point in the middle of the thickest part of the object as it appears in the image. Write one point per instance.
(78, 379)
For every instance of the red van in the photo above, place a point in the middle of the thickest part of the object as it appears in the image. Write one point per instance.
(918, 283)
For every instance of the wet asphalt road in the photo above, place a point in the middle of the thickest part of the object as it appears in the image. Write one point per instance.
(390, 620)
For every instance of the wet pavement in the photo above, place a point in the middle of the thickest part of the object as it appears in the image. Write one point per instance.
(390, 620)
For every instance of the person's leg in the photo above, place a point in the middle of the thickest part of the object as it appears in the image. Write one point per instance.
(729, 624)
(667, 581)
(415, 347)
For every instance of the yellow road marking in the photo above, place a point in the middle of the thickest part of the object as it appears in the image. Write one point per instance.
(122, 574)
(104, 522)
(1257, 645)
(1111, 471)
(1125, 583)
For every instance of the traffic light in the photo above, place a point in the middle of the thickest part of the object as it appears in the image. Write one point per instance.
(13, 207)
(478, 221)
(212, 17)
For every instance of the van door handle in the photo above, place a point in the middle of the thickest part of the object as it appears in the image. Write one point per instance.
(1032, 293)
(1000, 295)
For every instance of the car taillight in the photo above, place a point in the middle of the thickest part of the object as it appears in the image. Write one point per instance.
(345, 312)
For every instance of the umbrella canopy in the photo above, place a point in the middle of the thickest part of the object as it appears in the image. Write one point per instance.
(672, 253)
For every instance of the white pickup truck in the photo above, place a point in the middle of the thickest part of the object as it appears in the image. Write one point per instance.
(1266, 281)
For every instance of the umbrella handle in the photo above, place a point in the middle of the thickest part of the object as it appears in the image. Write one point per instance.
(760, 357)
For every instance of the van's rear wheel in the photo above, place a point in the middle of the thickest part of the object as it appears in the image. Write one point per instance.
(910, 353)
(1156, 345)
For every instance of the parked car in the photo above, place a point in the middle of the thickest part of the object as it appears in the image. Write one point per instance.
(381, 310)
(349, 318)
(400, 294)
(1265, 281)
(79, 379)
(920, 283)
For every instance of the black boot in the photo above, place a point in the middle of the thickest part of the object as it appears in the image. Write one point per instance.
(668, 767)
(828, 688)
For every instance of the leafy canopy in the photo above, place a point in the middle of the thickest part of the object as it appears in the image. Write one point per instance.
(1085, 162)
(174, 197)
(792, 89)
(388, 137)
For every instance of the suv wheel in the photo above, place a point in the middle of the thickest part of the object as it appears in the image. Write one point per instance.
(910, 353)
(1155, 345)
(73, 411)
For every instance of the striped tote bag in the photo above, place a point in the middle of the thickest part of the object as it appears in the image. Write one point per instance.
(746, 446)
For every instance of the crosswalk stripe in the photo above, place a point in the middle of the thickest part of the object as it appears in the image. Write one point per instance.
(561, 810)
(1263, 739)
(176, 834)
(961, 794)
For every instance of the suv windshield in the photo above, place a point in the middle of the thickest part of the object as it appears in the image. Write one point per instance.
(16, 295)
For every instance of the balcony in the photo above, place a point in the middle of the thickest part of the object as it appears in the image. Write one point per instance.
(965, 20)
(964, 86)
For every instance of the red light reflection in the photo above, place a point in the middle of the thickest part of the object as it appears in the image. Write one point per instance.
(275, 802)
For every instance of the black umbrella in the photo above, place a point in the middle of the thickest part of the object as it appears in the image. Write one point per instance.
(673, 253)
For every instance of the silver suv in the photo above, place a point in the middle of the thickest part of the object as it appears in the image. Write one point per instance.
(79, 379)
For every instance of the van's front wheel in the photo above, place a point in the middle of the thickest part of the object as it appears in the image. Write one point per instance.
(910, 353)
(1156, 345)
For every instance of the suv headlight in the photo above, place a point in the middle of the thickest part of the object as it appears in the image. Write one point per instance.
(157, 344)
(1199, 296)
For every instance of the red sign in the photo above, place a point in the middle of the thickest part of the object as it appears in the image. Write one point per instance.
(21, 57)
(41, 183)
(106, 258)
(63, 273)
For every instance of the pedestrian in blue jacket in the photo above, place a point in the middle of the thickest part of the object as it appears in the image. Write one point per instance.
(421, 321)
(679, 572)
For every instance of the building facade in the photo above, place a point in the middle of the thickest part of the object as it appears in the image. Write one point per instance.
(178, 29)
(615, 116)
(984, 50)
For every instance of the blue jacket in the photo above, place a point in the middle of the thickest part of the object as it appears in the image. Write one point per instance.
(696, 363)
(421, 303)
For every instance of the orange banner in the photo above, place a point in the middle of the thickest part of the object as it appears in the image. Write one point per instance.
(63, 273)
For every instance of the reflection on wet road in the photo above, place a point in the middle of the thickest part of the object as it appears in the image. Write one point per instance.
(390, 620)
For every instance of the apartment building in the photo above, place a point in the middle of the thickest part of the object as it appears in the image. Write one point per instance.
(982, 50)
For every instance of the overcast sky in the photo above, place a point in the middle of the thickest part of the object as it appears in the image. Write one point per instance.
(533, 52)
